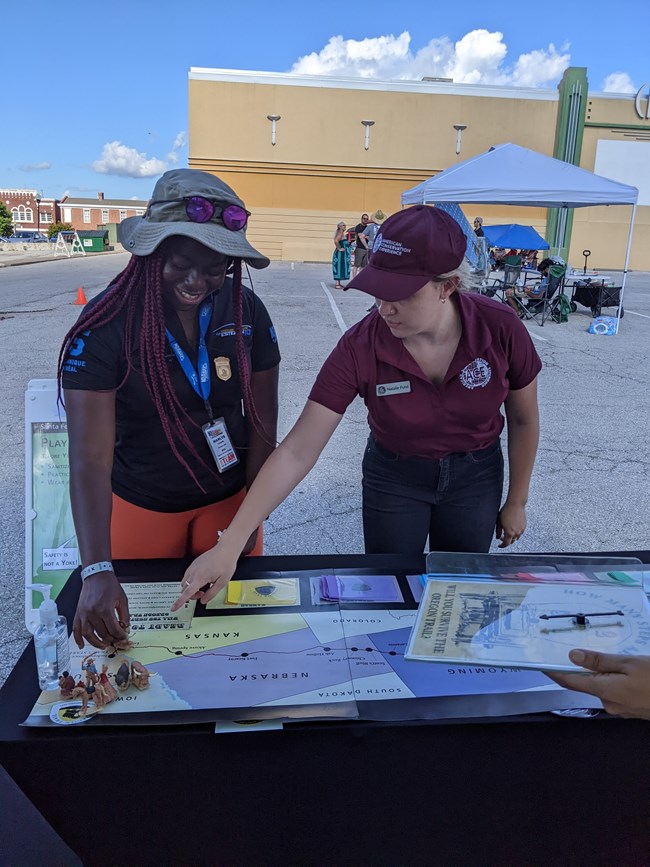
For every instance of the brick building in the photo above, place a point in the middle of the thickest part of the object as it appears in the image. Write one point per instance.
(91, 213)
(29, 209)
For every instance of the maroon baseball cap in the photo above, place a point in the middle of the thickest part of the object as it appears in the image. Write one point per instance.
(411, 247)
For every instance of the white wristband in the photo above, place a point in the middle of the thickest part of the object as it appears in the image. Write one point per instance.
(103, 566)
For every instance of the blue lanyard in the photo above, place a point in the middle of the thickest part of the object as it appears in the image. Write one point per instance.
(200, 381)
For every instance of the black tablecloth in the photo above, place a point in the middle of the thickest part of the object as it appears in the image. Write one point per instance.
(505, 791)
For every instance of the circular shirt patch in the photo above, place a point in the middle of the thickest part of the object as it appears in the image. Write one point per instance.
(477, 374)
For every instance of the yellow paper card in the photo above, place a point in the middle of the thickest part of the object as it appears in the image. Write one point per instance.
(233, 592)
(283, 591)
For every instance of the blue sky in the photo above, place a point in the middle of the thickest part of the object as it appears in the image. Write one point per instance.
(94, 95)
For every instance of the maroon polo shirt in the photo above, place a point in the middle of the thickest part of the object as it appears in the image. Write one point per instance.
(410, 415)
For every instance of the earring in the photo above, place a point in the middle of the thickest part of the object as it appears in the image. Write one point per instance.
(443, 300)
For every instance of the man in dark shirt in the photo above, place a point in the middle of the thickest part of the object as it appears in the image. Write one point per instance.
(478, 227)
(360, 250)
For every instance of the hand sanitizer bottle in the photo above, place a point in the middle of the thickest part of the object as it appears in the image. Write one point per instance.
(50, 641)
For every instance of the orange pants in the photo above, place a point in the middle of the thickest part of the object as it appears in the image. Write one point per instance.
(141, 534)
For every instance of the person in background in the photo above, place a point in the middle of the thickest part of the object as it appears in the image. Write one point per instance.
(622, 683)
(433, 364)
(361, 247)
(512, 257)
(529, 259)
(372, 229)
(154, 374)
(341, 256)
(478, 227)
(534, 291)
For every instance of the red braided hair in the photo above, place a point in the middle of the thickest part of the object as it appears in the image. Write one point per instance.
(242, 358)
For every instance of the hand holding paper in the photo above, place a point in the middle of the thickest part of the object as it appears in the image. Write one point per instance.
(622, 683)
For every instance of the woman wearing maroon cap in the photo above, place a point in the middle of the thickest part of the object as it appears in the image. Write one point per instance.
(434, 365)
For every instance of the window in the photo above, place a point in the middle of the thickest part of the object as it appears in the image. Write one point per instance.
(21, 214)
(122, 215)
(104, 215)
(46, 217)
(86, 215)
(139, 212)
(67, 215)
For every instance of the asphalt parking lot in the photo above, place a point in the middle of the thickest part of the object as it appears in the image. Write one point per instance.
(590, 486)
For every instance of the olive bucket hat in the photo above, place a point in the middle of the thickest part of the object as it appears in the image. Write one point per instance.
(196, 205)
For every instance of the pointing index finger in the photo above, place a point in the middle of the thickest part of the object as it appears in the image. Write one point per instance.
(186, 594)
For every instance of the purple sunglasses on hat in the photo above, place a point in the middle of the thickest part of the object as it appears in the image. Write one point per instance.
(202, 210)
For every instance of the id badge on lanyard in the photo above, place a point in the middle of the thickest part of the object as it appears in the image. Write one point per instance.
(220, 444)
(215, 432)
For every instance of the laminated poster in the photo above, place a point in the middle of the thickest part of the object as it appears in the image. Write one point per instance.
(528, 625)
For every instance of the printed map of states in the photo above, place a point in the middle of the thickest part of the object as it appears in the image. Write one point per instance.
(283, 649)
(284, 660)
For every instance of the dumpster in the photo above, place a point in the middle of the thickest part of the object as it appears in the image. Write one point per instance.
(93, 240)
(111, 228)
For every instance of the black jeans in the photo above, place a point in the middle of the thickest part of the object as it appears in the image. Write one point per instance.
(454, 501)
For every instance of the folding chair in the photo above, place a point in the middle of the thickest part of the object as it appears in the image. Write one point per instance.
(545, 305)
(501, 284)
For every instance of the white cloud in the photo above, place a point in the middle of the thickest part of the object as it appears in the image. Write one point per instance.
(539, 67)
(35, 167)
(118, 159)
(179, 142)
(478, 58)
(618, 82)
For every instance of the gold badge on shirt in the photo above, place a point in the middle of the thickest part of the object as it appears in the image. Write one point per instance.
(222, 366)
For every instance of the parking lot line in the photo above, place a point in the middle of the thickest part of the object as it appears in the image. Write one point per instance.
(337, 312)
(634, 313)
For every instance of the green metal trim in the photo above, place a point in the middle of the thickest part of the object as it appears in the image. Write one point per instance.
(645, 128)
(569, 132)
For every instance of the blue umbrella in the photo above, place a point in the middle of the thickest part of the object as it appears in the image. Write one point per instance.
(515, 236)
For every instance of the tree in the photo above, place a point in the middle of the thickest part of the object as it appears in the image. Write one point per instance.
(55, 228)
(6, 223)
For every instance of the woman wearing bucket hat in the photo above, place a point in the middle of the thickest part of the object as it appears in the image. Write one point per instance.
(154, 374)
(434, 365)
(371, 230)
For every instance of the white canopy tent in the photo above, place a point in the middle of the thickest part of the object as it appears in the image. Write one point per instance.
(511, 175)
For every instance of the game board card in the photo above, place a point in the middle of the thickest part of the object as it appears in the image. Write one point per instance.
(150, 604)
(361, 588)
(280, 591)
(416, 586)
(329, 589)
(316, 594)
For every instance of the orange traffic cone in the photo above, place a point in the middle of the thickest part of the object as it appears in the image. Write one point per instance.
(81, 298)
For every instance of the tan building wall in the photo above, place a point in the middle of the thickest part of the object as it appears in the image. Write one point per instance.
(604, 230)
(319, 172)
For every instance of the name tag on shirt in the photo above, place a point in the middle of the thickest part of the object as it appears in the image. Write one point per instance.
(218, 439)
(389, 388)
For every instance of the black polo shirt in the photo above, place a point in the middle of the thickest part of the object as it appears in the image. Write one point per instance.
(145, 470)
(410, 415)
